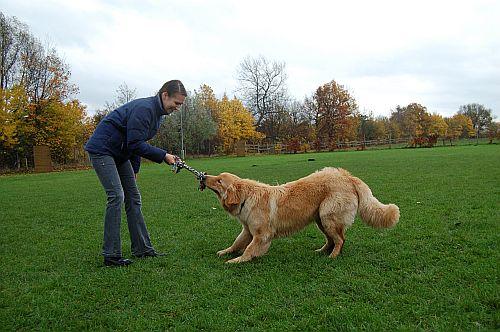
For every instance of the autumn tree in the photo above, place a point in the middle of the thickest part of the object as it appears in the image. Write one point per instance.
(235, 123)
(459, 126)
(335, 111)
(13, 102)
(299, 122)
(57, 119)
(207, 102)
(275, 125)
(381, 127)
(493, 131)
(411, 121)
(480, 116)
(206, 99)
(371, 128)
(8, 124)
(396, 123)
(207, 119)
(437, 125)
(61, 126)
(437, 128)
(37, 80)
(416, 120)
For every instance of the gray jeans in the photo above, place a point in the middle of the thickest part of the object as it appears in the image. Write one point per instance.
(120, 186)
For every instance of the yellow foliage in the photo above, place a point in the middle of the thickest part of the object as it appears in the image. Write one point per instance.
(459, 125)
(437, 126)
(12, 103)
(60, 125)
(349, 131)
(380, 129)
(208, 99)
(235, 123)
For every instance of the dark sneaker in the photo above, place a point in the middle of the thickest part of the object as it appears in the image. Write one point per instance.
(150, 254)
(116, 261)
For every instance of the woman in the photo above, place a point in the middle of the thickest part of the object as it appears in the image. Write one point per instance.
(115, 149)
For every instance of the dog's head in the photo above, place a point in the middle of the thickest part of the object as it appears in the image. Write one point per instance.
(227, 188)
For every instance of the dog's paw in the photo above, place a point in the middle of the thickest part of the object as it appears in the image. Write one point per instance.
(322, 251)
(325, 250)
(221, 253)
(235, 260)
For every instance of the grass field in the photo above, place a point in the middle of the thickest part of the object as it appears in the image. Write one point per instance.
(438, 269)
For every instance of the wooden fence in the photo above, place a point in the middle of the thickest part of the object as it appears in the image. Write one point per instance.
(323, 146)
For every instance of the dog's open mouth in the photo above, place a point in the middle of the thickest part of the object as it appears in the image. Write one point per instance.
(203, 185)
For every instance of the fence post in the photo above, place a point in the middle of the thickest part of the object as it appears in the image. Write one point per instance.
(43, 162)
(240, 148)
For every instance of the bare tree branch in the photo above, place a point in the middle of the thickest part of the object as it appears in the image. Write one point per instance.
(262, 86)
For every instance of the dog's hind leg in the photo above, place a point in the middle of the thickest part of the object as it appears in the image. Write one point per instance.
(328, 247)
(339, 240)
(335, 217)
(240, 243)
(334, 229)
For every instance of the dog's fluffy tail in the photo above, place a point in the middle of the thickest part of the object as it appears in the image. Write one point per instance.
(372, 212)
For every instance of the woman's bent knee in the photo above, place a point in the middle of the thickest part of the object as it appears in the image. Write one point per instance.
(133, 199)
(115, 197)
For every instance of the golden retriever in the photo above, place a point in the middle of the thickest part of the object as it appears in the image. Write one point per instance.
(330, 197)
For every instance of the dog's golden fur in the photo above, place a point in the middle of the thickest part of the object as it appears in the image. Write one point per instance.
(330, 197)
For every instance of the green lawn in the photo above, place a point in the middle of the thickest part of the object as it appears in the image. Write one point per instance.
(438, 269)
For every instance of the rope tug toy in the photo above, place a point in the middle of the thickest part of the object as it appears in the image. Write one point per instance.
(200, 176)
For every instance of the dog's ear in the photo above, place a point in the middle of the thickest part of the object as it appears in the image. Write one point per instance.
(232, 196)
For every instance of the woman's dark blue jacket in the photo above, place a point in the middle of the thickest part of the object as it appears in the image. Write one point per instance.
(123, 133)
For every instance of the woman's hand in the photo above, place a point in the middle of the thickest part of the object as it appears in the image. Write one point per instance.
(170, 159)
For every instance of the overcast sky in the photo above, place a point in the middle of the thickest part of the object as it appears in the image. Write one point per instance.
(441, 54)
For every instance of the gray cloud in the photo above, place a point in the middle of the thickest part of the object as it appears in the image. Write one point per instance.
(442, 55)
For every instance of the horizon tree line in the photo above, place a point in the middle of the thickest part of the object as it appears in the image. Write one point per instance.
(38, 105)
